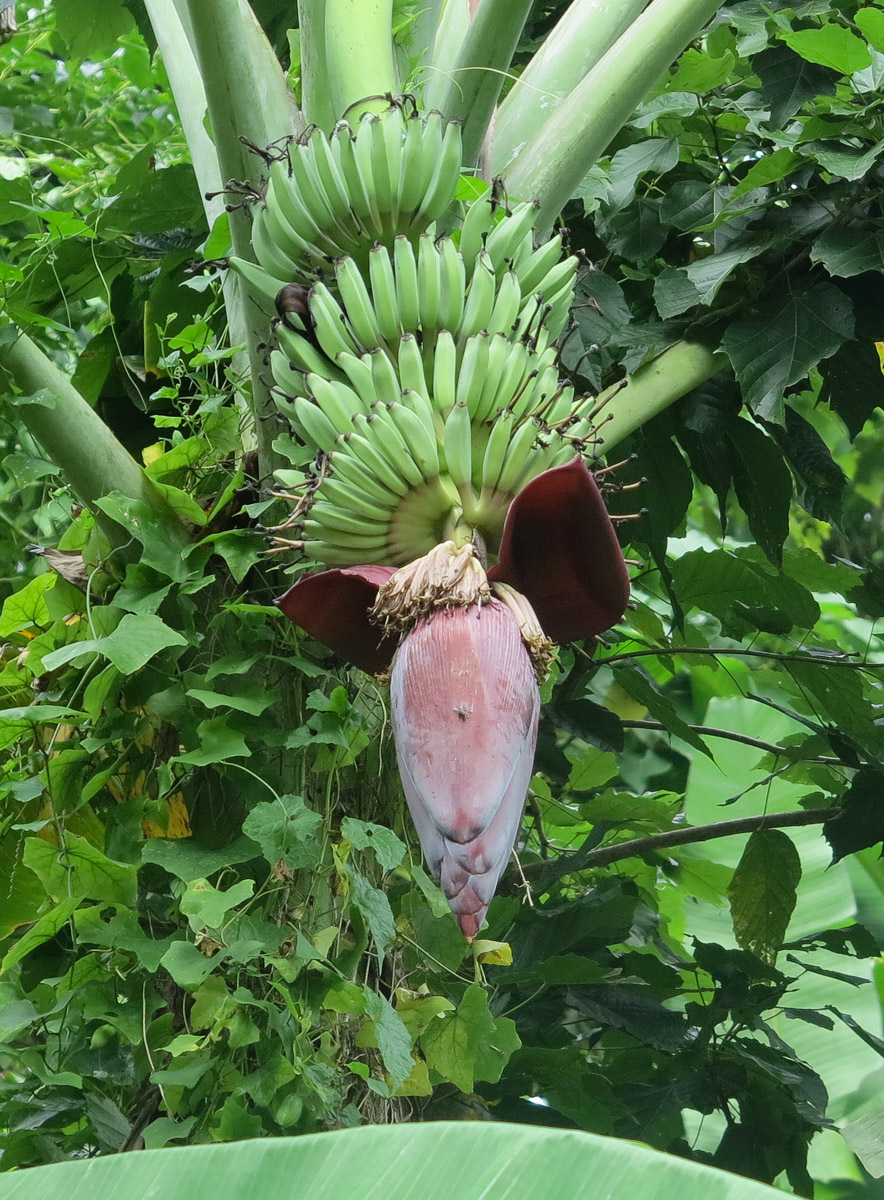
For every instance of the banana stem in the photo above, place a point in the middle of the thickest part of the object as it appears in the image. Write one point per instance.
(435, 75)
(588, 29)
(79, 443)
(172, 29)
(247, 98)
(552, 163)
(359, 55)
(316, 99)
(653, 387)
(481, 68)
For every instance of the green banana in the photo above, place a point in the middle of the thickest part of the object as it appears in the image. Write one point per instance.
(504, 239)
(344, 495)
(445, 372)
(316, 425)
(458, 446)
(264, 287)
(373, 459)
(350, 469)
(358, 373)
(382, 430)
(429, 282)
(440, 191)
(386, 381)
(411, 365)
(407, 291)
(477, 223)
(472, 371)
(330, 325)
(383, 293)
(479, 303)
(419, 437)
(453, 284)
(358, 303)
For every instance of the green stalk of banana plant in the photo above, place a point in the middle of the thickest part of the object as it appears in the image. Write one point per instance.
(248, 103)
(581, 37)
(74, 437)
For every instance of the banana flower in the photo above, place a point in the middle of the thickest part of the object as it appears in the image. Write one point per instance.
(466, 647)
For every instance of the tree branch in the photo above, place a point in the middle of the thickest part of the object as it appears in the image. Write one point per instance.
(829, 660)
(769, 747)
(638, 847)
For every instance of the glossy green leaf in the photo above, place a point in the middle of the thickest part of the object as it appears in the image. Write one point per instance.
(783, 341)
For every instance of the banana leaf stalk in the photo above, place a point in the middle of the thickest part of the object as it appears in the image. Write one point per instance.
(467, 646)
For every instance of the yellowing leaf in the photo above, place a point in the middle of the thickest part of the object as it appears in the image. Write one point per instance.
(498, 954)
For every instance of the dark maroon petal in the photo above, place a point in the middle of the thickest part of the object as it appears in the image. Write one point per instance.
(333, 607)
(559, 548)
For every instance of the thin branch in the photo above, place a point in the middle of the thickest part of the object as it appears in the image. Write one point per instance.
(828, 660)
(770, 747)
(637, 847)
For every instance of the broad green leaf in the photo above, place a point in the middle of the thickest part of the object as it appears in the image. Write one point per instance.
(656, 155)
(699, 72)
(187, 965)
(93, 32)
(469, 1043)
(763, 485)
(708, 274)
(861, 823)
(590, 769)
(850, 251)
(375, 908)
(871, 22)
(208, 906)
(188, 860)
(777, 347)
(840, 701)
(41, 931)
(159, 551)
(637, 684)
(132, 644)
(249, 697)
(762, 892)
(393, 1038)
(472, 1160)
(730, 584)
(286, 830)
(27, 607)
(387, 848)
(218, 742)
(79, 869)
(865, 1137)
(846, 161)
(789, 81)
(831, 46)
(768, 169)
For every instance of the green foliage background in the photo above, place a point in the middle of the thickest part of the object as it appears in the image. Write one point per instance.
(288, 966)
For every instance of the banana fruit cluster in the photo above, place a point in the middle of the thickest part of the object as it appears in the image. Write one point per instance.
(422, 368)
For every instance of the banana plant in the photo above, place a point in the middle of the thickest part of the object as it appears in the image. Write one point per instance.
(398, 220)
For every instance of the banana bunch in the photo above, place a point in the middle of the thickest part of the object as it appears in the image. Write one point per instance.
(422, 369)
(394, 174)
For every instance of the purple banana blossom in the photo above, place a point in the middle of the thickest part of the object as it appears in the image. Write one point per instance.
(465, 699)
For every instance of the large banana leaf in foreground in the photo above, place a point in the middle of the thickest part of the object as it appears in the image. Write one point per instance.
(436, 1161)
